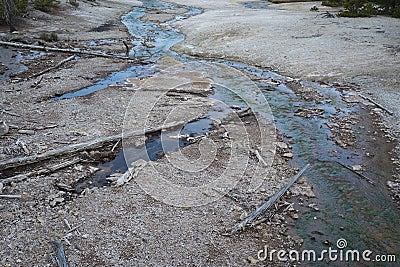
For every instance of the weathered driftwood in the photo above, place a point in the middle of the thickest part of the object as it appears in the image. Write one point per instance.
(249, 219)
(131, 173)
(10, 196)
(60, 258)
(52, 68)
(377, 104)
(115, 145)
(21, 177)
(260, 158)
(70, 228)
(63, 50)
(74, 228)
(21, 161)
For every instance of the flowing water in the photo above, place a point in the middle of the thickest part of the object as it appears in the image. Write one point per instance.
(349, 206)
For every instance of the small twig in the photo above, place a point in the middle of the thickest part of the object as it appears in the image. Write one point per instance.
(10, 196)
(260, 158)
(369, 180)
(36, 83)
(115, 146)
(74, 228)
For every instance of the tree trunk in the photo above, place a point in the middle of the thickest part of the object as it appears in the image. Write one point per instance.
(9, 10)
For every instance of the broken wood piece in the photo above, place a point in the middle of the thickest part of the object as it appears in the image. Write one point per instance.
(50, 69)
(73, 228)
(115, 146)
(60, 258)
(36, 83)
(249, 219)
(63, 165)
(23, 146)
(131, 173)
(10, 196)
(70, 228)
(260, 158)
(27, 132)
(22, 161)
(377, 104)
(65, 50)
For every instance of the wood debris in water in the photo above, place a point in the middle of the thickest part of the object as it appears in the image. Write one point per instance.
(249, 219)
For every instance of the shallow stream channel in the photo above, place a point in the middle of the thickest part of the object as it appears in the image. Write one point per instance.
(354, 207)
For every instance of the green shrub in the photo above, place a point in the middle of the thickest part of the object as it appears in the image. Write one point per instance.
(44, 5)
(358, 8)
(396, 12)
(52, 37)
(314, 8)
(74, 3)
(332, 3)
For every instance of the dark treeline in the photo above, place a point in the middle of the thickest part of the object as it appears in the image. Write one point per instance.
(366, 8)
(9, 9)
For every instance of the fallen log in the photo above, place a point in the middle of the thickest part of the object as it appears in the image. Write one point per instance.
(21, 177)
(64, 50)
(249, 219)
(52, 68)
(89, 145)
